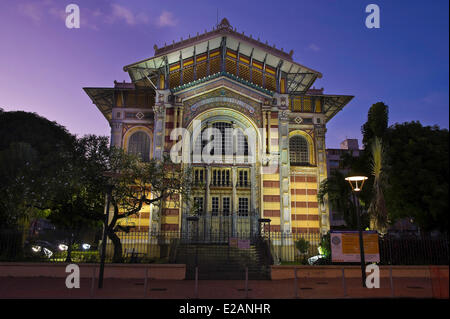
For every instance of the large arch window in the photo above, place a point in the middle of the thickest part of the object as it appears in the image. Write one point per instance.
(139, 144)
(226, 144)
(298, 151)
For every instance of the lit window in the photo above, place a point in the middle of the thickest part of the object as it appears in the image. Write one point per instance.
(215, 206)
(139, 144)
(226, 206)
(243, 206)
(298, 150)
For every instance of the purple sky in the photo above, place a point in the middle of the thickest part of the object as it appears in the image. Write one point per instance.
(405, 63)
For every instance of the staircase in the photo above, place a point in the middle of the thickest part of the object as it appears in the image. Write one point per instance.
(219, 261)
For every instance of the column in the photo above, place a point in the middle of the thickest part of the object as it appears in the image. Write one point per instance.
(116, 134)
(234, 204)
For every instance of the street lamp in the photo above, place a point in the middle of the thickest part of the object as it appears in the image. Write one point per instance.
(357, 183)
(109, 188)
(103, 251)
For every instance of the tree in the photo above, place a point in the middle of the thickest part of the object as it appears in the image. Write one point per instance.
(302, 246)
(418, 173)
(135, 183)
(377, 209)
(336, 190)
(33, 151)
(376, 125)
(79, 206)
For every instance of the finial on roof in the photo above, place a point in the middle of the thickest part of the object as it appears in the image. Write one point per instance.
(291, 53)
(155, 47)
(224, 24)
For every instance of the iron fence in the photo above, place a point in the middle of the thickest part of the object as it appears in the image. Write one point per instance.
(158, 247)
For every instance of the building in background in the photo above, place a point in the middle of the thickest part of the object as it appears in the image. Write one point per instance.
(226, 79)
(335, 162)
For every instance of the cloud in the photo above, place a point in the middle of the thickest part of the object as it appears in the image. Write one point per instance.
(313, 47)
(120, 13)
(32, 11)
(37, 12)
(166, 19)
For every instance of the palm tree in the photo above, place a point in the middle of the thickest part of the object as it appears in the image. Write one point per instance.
(335, 190)
(377, 209)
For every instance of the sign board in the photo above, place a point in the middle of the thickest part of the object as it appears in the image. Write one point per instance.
(233, 242)
(345, 246)
(244, 244)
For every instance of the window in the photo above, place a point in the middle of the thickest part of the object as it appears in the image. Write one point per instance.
(243, 206)
(221, 177)
(298, 150)
(199, 176)
(215, 206)
(198, 202)
(243, 178)
(226, 206)
(139, 144)
(225, 145)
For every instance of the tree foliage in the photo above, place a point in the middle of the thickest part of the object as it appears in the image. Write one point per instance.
(418, 160)
(33, 151)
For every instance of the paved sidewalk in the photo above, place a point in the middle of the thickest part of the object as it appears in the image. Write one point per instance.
(214, 289)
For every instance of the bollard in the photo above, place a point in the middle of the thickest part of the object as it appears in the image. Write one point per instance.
(93, 281)
(295, 283)
(146, 282)
(246, 282)
(344, 286)
(196, 283)
(392, 281)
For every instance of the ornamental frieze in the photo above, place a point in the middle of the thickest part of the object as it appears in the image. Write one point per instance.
(222, 98)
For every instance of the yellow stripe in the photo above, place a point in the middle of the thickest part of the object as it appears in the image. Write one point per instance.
(304, 210)
(271, 205)
(271, 191)
(244, 60)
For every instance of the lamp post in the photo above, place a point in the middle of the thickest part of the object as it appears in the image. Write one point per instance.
(357, 183)
(102, 259)
(109, 189)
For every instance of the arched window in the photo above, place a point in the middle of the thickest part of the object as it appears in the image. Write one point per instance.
(298, 150)
(226, 144)
(139, 144)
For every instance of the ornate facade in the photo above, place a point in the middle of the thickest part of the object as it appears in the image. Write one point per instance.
(226, 79)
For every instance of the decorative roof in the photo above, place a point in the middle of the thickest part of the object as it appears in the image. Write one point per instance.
(299, 77)
(223, 28)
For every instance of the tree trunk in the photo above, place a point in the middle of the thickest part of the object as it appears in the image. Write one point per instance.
(117, 257)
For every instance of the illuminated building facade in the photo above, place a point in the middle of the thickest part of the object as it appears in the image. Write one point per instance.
(226, 79)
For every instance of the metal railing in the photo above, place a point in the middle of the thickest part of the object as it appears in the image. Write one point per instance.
(150, 247)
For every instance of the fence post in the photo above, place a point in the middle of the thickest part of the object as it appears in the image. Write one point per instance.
(196, 282)
(246, 282)
(146, 282)
(295, 283)
(344, 285)
(392, 281)
(93, 281)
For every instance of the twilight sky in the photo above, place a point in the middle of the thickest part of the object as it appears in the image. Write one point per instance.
(405, 63)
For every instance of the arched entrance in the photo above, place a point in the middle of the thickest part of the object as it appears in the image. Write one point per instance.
(226, 186)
